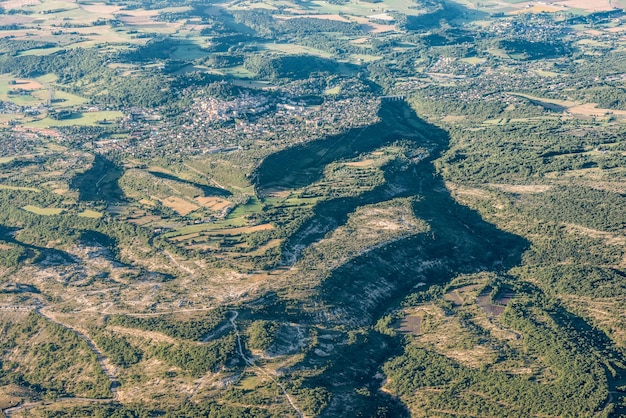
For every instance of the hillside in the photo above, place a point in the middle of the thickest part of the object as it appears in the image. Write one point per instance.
(385, 209)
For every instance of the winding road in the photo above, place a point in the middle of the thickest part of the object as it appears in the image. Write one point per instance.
(107, 369)
(250, 361)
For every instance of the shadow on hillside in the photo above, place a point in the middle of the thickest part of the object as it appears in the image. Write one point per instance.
(36, 254)
(100, 182)
(359, 292)
(207, 190)
(362, 290)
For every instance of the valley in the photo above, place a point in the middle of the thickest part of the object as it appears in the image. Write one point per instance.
(285, 208)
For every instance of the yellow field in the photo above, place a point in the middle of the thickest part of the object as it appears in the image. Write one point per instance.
(263, 248)
(147, 202)
(179, 205)
(453, 118)
(590, 109)
(521, 188)
(213, 203)
(87, 213)
(364, 163)
(27, 84)
(591, 5)
(333, 91)
(13, 4)
(540, 8)
(364, 58)
(43, 211)
(144, 220)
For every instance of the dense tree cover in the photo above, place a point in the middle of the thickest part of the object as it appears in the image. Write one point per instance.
(105, 87)
(534, 50)
(265, 24)
(69, 65)
(261, 334)
(330, 44)
(32, 232)
(554, 244)
(597, 17)
(607, 97)
(447, 36)
(275, 67)
(155, 49)
(13, 255)
(36, 229)
(522, 153)
(579, 388)
(304, 26)
(351, 377)
(577, 279)
(197, 359)
(12, 47)
(151, 4)
(223, 90)
(585, 206)
(218, 60)
(191, 329)
(148, 90)
(118, 349)
(102, 172)
(437, 13)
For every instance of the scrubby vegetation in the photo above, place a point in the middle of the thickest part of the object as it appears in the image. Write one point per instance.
(329, 209)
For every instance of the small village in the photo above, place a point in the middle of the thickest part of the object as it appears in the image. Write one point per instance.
(214, 126)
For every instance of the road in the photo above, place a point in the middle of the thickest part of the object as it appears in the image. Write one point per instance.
(109, 371)
(250, 361)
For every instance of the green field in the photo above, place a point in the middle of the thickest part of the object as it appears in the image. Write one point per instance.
(238, 71)
(296, 49)
(47, 78)
(189, 52)
(361, 58)
(40, 51)
(474, 60)
(84, 119)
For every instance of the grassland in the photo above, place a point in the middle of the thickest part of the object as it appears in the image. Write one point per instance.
(296, 49)
(43, 211)
(88, 213)
(80, 119)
